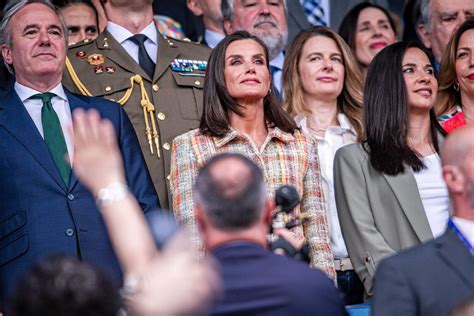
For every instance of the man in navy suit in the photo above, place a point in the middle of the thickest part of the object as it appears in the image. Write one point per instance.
(44, 210)
(437, 277)
(234, 216)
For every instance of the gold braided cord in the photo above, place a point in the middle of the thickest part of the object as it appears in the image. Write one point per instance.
(129, 91)
(148, 108)
(76, 79)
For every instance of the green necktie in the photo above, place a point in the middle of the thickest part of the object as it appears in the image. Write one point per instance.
(53, 135)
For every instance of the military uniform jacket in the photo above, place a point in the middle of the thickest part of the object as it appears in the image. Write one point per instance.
(103, 68)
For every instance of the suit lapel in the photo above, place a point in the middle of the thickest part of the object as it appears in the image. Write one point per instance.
(74, 103)
(406, 191)
(296, 13)
(456, 255)
(15, 118)
(167, 52)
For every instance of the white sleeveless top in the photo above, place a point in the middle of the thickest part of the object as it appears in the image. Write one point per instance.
(434, 194)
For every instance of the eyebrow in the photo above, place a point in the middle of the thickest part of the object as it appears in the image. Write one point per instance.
(37, 26)
(415, 65)
(320, 53)
(241, 56)
(447, 13)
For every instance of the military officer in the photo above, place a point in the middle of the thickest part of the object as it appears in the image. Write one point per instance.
(158, 81)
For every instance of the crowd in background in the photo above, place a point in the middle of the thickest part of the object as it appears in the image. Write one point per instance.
(366, 108)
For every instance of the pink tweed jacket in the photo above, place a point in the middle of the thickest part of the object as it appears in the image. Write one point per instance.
(284, 159)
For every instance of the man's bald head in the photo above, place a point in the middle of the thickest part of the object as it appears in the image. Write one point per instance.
(231, 191)
(457, 146)
(457, 155)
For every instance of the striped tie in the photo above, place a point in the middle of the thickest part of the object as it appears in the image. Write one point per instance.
(314, 12)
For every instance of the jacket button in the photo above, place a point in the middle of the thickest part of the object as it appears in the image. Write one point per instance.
(155, 88)
(70, 197)
(108, 88)
(69, 232)
(197, 83)
(166, 146)
(161, 116)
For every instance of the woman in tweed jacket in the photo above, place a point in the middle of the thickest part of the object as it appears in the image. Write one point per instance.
(241, 114)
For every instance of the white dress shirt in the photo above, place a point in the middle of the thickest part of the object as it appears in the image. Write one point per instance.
(212, 38)
(278, 63)
(434, 194)
(122, 36)
(60, 105)
(335, 137)
(466, 227)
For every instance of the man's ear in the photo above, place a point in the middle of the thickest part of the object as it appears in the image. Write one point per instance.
(424, 35)
(195, 7)
(200, 217)
(7, 55)
(454, 179)
(227, 27)
(268, 208)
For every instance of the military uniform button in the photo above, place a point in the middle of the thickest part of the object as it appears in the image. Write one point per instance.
(113, 100)
(161, 116)
(166, 146)
(197, 83)
(108, 88)
(155, 87)
(168, 177)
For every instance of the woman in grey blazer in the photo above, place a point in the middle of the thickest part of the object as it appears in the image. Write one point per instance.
(389, 190)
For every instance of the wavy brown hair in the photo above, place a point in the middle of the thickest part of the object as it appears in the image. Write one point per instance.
(448, 97)
(349, 101)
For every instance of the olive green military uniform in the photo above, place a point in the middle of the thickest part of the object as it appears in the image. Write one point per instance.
(103, 68)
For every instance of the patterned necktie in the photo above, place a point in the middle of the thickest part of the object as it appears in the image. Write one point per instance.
(144, 59)
(273, 70)
(314, 12)
(53, 135)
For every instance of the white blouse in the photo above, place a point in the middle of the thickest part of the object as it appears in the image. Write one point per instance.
(335, 137)
(434, 194)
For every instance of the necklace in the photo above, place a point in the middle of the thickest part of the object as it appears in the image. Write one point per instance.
(317, 130)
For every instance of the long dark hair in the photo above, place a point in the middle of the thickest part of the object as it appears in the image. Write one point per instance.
(386, 113)
(348, 27)
(218, 103)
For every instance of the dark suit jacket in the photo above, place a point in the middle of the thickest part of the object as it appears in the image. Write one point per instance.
(39, 215)
(297, 20)
(257, 282)
(431, 279)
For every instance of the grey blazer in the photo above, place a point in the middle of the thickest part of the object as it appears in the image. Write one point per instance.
(379, 214)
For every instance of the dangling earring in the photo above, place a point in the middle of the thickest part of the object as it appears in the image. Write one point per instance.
(456, 86)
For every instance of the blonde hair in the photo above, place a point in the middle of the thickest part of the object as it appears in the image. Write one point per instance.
(448, 97)
(351, 98)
